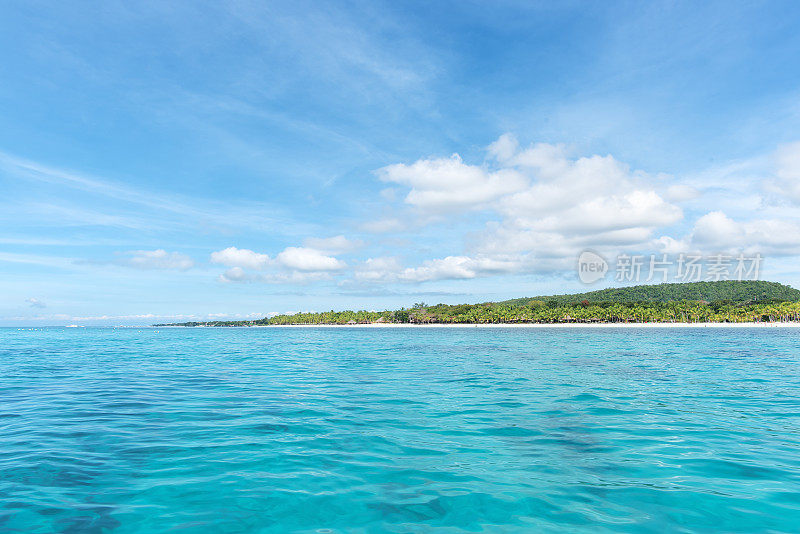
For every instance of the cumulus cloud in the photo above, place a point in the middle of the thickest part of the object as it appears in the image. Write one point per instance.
(35, 303)
(716, 228)
(718, 232)
(547, 206)
(333, 245)
(573, 203)
(300, 258)
(448, 184)
(292, 264)
(241, 258)
(547, 203)
(158, 259)
(540, 205)
(459, 267)
(504, 148)
(235, 274)
(549, 161)
(637, 209)
(681, 193)
(389, 269)
(788, 170)
(591, 193)
(383, 226)
(296, 277)
(308, 259)
(381, 269)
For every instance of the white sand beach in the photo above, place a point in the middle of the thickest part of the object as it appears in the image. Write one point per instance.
(539, 325)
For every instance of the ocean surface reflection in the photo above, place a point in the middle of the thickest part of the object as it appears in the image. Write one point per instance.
(399, 430)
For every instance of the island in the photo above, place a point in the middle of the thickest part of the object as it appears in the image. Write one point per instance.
(725, 301)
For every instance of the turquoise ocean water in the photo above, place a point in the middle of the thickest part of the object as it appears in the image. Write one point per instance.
(399, 430)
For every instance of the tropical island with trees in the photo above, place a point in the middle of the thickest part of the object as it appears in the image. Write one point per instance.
(726, 301)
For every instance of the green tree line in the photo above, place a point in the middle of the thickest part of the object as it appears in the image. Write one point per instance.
(743, 302)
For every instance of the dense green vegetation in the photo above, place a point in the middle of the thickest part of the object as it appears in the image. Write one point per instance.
(732, 290)
(725, 301)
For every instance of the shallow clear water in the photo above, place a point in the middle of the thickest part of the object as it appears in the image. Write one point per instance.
(399, 430)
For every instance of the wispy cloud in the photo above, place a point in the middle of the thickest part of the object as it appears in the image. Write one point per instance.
(155, 210)
(37, 259)
(157, 259)
(35, 303)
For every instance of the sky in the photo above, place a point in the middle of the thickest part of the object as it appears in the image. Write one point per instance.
(172, 161)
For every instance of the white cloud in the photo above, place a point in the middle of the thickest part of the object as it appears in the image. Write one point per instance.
(299, 258)
(382, 226)
(158, 259)
(571, 204)
(459, 267)
(548, 161)
(293, 264)
(544, 206)
(637, 209)
(389, 269)
(547, 203)
(716, 231)
(295, 277)
(553, 249)
(681, 193)
(597, 189)
(308, 259)
(235, 274)
(548, 207)
(242, 258)
(35, 303)
(670, 245)
(448, 184)
(381, 269)
(788, 170)
(333, 245)
(504, 148)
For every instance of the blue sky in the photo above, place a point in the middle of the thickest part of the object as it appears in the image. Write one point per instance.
(177, 160)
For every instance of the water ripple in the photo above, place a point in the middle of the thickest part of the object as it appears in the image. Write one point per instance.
(345, 430)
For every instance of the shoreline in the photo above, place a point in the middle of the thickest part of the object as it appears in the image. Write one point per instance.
(521, 325)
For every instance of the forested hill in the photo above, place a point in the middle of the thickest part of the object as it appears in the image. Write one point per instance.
(725, 290)
(724, 301)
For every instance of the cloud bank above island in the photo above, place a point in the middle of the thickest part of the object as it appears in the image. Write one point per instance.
(541, 207)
